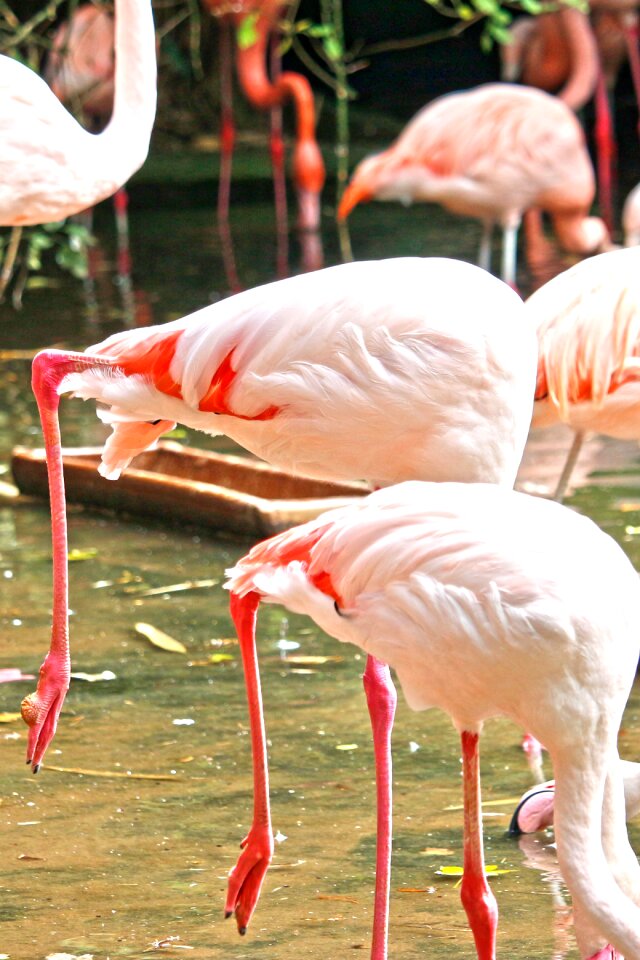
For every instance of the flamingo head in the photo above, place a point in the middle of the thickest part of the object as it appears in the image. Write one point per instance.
(375, 178)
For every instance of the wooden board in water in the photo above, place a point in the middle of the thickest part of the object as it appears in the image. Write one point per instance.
(220, 491)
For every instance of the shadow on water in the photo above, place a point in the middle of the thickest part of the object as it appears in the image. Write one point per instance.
(128, 842)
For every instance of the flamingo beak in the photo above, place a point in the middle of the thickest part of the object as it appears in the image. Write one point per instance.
(354, 194)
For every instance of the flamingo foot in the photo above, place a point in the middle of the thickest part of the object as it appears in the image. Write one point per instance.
(535, 810)
(41, 709)
(245, 879)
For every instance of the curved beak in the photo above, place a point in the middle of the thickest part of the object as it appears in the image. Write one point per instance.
(354, 194)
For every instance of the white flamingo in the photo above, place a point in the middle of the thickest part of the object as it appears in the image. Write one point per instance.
(465, 589)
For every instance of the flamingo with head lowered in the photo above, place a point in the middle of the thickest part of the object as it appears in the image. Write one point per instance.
(493, 153)
(464, 589)
(383, 370)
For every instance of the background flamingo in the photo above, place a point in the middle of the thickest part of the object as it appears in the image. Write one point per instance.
(588, 327)
(492, 153)
(464, 589)
(81, 72)
(261, 17)
(52, 167)
(381, 370)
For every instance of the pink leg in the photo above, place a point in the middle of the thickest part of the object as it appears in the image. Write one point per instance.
(607, 953)
(245, 879)
(120, 206)
(381, 700)
(40, 710)
(227, 140)
(477, 898)
(276, 146)
(605, 148)
(631, 37)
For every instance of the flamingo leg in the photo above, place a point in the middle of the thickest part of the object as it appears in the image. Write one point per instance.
(227, 140)
(10, 259)
(120, 206)
(276, 147)
(570, 463)
(245, 879)
(484, 252)
(477, 897)
(381, 701)
(605, 150)
(509, 253)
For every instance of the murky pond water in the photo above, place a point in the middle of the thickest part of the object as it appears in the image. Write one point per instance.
(126, 836)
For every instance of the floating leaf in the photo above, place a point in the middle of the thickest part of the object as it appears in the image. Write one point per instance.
(437, 852)
(490, 870)
(416, 889)
(347, 746)
(118, 774)
(301, 660)
(8, 490)
(94, 677)
(75, 555)
(160, 639)
(11, 674)
(10, 717)
(221, 657)
(171, 588)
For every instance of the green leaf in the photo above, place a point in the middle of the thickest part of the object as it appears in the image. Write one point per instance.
(246, 34)
(332, 48)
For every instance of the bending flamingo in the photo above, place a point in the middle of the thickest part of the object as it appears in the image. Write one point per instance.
(260, 19)
(493, 153)
(385, 370)
(464, 589)
(588, 327)
(52, 167)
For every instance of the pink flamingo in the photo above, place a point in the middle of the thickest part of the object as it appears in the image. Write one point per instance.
(588, 327)
(81, 72)
(384, 370)
(464, 589)
(492, 153)
(261, 18)
(52, 167)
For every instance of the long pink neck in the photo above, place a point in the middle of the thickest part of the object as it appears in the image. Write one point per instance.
(49, 370)
(583, 58)
(251, 64)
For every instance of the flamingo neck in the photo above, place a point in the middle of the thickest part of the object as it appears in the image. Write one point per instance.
(583, 58)
(125, 140)
(50, 367)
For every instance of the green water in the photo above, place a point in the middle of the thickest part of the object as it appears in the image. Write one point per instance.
(109, 865)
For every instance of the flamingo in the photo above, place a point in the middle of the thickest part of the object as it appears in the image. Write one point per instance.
(492, 152)
(52, 167)
(464, 589)
(81, 72)
(381, 370)
(588, 327)
(261, 17)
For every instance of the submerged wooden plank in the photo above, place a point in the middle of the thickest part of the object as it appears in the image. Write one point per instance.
(175, 483)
